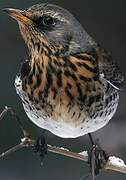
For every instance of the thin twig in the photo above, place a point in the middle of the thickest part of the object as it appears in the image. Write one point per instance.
(12, 150)
(113, 163)
(13, 113)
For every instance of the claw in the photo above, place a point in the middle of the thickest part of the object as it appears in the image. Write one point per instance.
(97, 160)
(97, 157)
(40, 147)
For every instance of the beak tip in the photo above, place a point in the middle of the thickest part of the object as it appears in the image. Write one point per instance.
(6, 10)
(18, 15)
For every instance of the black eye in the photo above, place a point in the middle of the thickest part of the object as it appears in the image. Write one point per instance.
(48, 21)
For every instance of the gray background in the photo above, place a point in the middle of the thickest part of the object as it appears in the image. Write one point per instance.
(105, 21)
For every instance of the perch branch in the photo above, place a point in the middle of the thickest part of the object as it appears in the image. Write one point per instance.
(113, 163)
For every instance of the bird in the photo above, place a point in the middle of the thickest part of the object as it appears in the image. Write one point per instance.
(69, 85)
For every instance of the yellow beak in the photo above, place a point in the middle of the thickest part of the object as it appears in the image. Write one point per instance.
(21, 16)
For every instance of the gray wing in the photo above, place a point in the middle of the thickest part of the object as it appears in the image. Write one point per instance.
(109, 70)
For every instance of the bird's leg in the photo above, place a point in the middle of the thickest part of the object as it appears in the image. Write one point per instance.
(97, 158)
(40, 147)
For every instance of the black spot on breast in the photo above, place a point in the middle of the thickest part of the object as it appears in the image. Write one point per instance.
(106, 112)
(38, 82)
(30, 81)
(83, 78)
(106, 102)
(69, 106)
(92, 115)
(107, 88)
(79, 89)
(30, 97)
(42, 106)
(98, 98)
(36, 101)
(33, 71)
(39, 69)
(68, 93)
(26, 101)
(73, 114)
(38, 108)
(59, 78)
(69, 85)
(90, 101)
(94, 70)
(69, 74)
(111, 98)
(49, 81)
(40, 95)
(42, 64)
(72, 66)
(30, 108)
(68, 63)
(37, 45)
(110, 111)
(79, 64)
(52, 69)
(36, 115)
(47, 49)
(56, 62)
(25, 69)
(96, 77)
(83, 57)
(79, 115)
(74, 77)
(101, 114)
(65, 62)
(32, 42)
(55, 92)
(82, 99)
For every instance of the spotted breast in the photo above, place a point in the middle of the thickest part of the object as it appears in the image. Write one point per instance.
(66, 95)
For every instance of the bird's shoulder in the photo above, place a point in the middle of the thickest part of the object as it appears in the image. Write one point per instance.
(108, 69)
(86, 65)
(99, 64)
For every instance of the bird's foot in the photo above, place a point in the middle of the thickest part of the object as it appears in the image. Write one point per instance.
(40, 147)
(97, 159)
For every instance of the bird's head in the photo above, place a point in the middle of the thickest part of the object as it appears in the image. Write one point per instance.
(52, 26)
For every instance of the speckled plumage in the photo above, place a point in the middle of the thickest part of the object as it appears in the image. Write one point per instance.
(69, 85)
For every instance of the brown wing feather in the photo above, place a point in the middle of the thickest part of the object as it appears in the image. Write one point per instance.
(109, 69)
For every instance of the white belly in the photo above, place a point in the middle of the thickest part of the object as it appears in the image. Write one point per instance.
(64, 130)
(60, 128)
